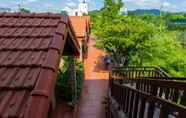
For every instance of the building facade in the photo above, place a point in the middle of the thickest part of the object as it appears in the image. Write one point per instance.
(79, 10)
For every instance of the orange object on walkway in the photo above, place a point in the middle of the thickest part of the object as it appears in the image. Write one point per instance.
(95, 84)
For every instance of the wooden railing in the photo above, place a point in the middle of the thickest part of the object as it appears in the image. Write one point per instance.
(145, 92)
(135, 72)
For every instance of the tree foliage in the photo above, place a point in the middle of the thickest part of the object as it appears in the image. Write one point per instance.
(24, 10)
(121, 41)
(64, 13)
(138, 40)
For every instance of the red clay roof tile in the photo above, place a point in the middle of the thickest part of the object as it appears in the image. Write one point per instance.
(81, 24)
(30, 48)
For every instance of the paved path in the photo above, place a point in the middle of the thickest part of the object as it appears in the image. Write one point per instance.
(94, 89)
(95, 84)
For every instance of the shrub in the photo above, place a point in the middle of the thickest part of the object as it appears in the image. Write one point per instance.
(63, 84)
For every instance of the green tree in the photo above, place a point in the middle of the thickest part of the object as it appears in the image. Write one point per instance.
(123, 38)
(118, 35)
(138, 40)
(111, 9)
(24, 10)
(64, 13)
(164, 51)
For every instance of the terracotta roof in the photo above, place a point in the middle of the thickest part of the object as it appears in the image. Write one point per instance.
(81, 25)
(30, 49)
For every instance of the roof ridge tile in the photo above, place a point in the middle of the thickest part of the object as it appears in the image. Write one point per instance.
(40, 93)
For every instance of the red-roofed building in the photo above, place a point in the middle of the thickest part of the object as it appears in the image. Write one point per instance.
(81, 25)
(31, 46)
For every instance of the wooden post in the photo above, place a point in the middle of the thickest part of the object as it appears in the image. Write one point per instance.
(72, 79)
(151, 108)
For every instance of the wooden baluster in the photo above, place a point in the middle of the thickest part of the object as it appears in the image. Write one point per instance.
(137, 85)
(151, 108)
(149, 73)
(141, 85)
(122, 96)
(118, 93)
(139, 73)
(130, 71)
(183, 99)
(145, 86)
(129, 100)
(171, 94)
(160, 92)
(167, 93)
(114, 91)
(131, 104)
(131, 74)
(136, 103)
(143, 72)
(176, 95)
(142, 107)
(128, 103)
(126, 100)
(148, 87)
(154, 73)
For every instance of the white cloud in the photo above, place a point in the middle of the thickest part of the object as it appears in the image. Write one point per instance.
(166, 4)
(71, 4)
(145, 3)
(32, 0)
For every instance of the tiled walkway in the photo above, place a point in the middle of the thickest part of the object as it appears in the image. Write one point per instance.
(95, 85)
(94, 89)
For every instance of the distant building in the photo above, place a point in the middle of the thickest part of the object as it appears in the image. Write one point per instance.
(5, 9)
(81, 25)
(83, 7)
(79, 10)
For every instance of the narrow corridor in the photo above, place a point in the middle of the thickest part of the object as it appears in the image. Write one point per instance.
(94, 89)
(95, 84)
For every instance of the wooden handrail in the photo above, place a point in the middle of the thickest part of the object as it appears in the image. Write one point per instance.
(132, 101)
(154, 69)
(135, 87)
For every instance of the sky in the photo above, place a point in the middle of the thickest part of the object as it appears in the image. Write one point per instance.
(58, 5)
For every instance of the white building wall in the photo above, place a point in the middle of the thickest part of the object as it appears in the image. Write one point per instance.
(80, 10)
(83, 7)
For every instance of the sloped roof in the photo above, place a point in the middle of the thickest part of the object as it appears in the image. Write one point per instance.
(81, 25)
(30, 49)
